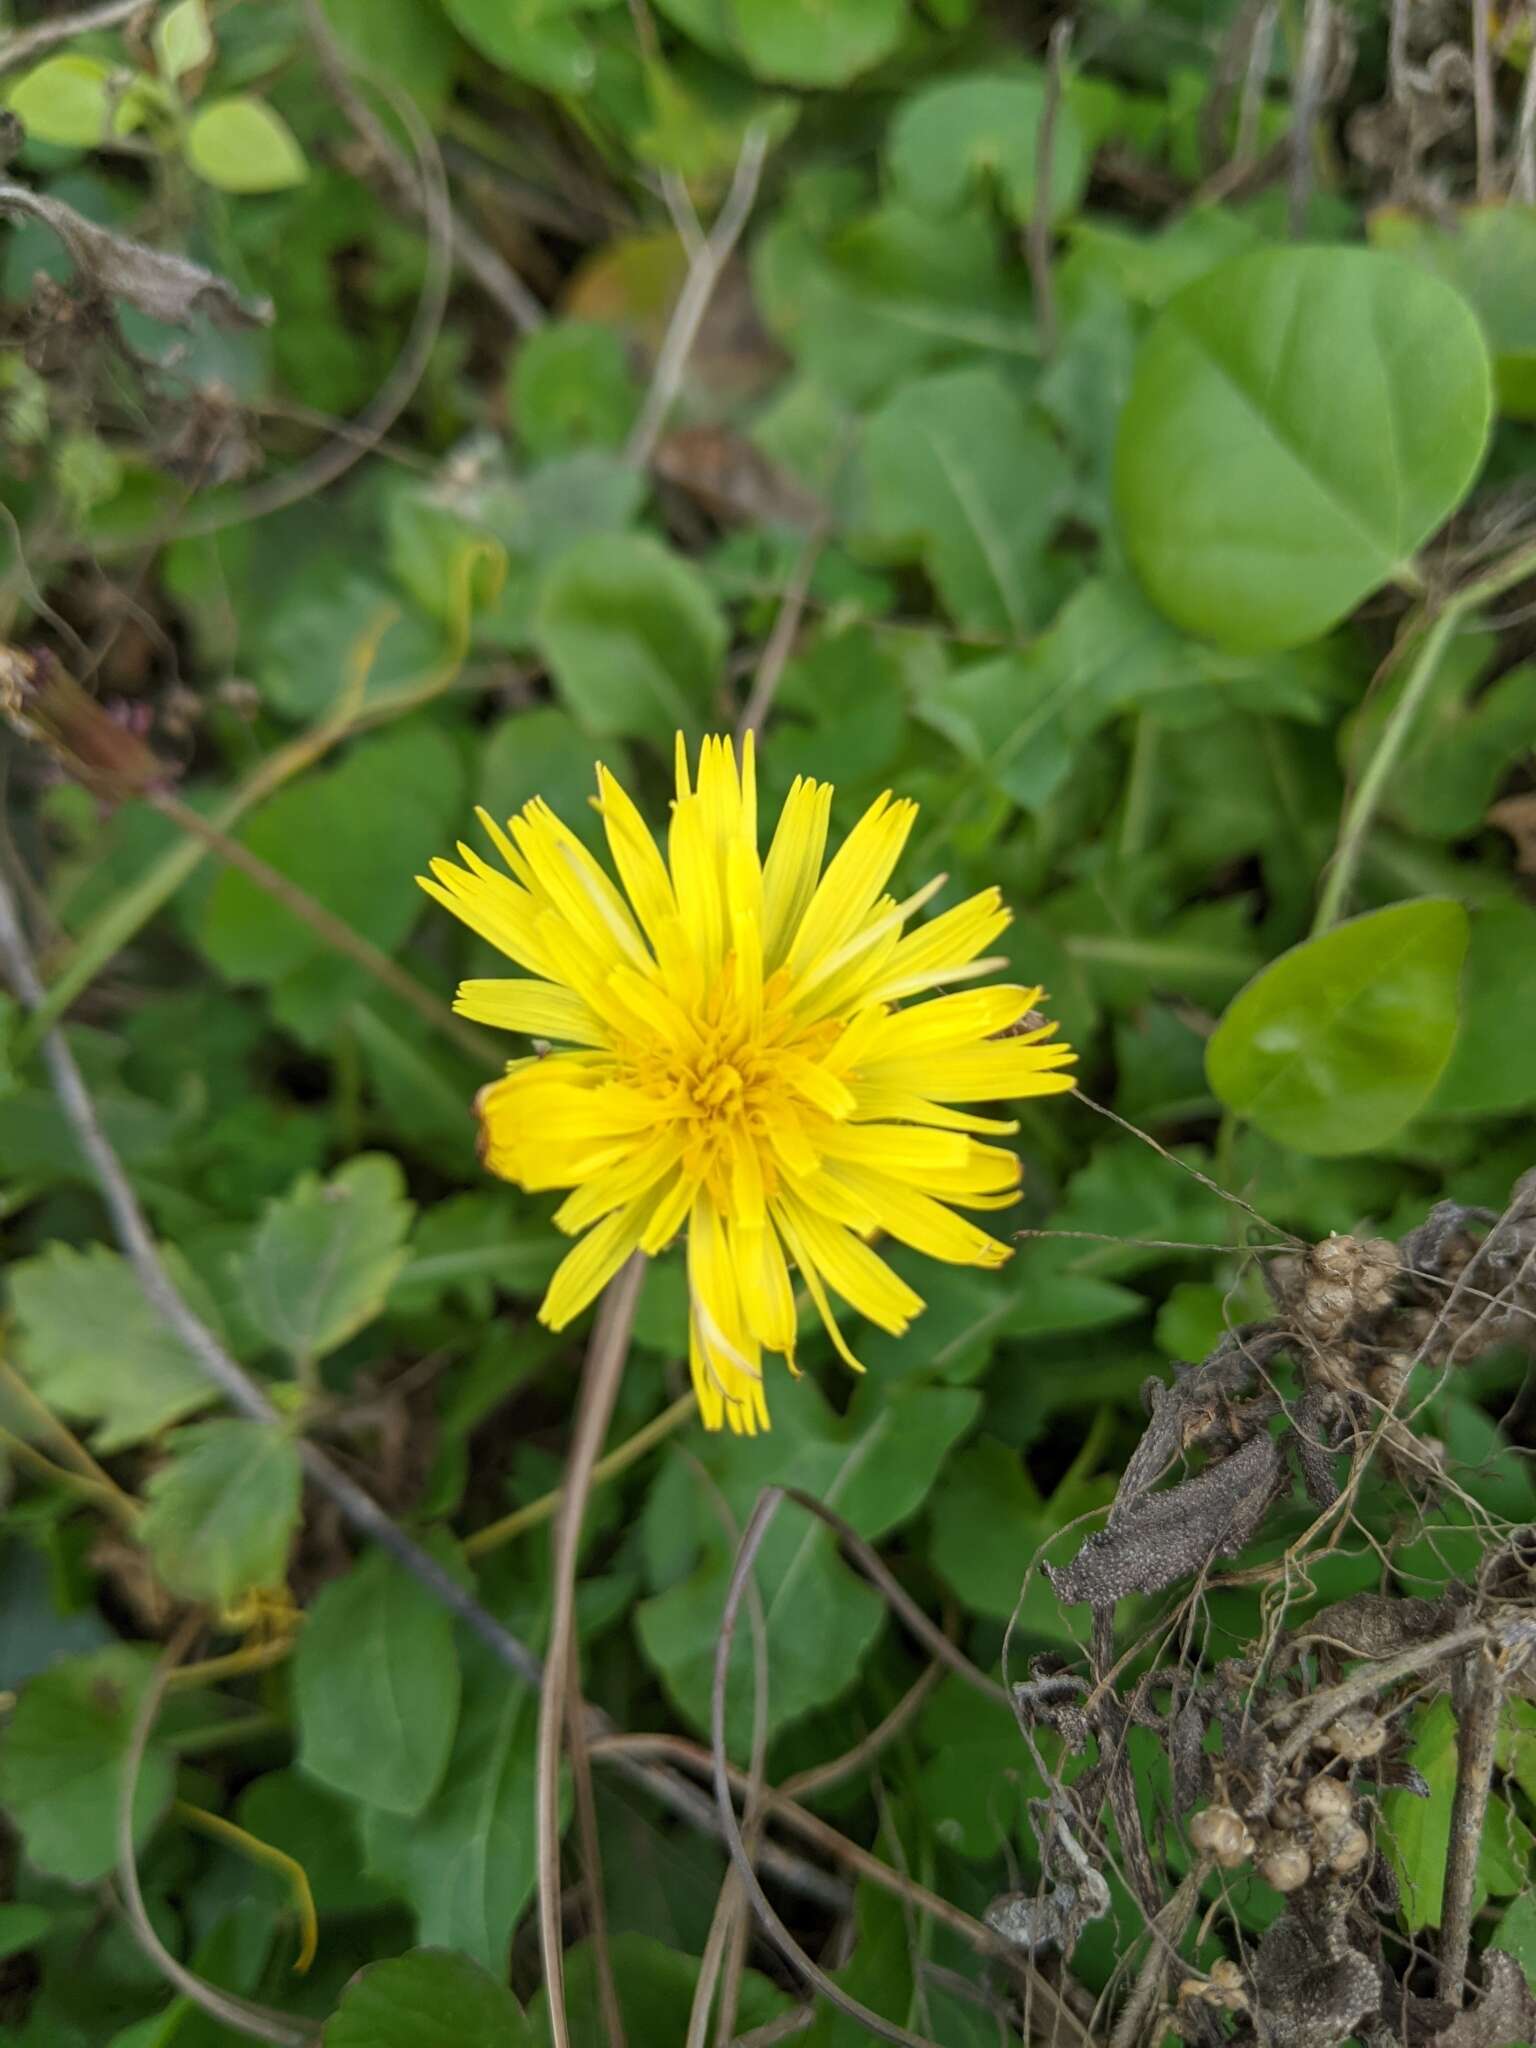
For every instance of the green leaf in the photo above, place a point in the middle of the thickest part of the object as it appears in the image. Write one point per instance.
(960, 479)
(22, 1927)
(1516, 1934)
(978, 1773)
(240, 144)
(571, 388)
(875, 1465)
(1417, 1834)
(61, 1761)
(181, 38)
(880, 1973)
(865, 303)
(64, 100)
(345, 835)
(538, 40)
(223, 1510)
(409, 41)
(376, 1688)
(1487, 253)
(422, 2000)
(466, 1861)
(325, 1255)
(1464, 741)
(633, 637)
(92, 1346)
(655, 1985)
(965, 131)
(1334, 1046)
(988, 1488)
(1492, 1069)
(1300, 420)
(816, 42)
(544, 752)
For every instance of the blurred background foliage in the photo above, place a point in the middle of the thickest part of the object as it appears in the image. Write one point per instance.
(1071, 430)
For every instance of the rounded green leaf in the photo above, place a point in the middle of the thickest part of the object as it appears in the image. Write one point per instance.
(64, 100)
(816, 42)
(632, 635)
(1299, 422)
(1341, 1040)
(422, 2000)
(240, 145)
(948, 138)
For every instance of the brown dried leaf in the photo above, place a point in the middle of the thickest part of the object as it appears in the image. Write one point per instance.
(1161, 1537)
(165, 287)
(1505, 2013)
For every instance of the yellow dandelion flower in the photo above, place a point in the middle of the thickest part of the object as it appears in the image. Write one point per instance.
(740, 1059)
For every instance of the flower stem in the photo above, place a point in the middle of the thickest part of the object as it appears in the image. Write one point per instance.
(599, 1386)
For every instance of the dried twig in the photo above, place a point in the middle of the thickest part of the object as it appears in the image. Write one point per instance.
(599, 1387)
(769, 1502)
(1306, 104)
(1483, 116)
(25, 43)
(1037, 235)
(486, 265)
(1479, 1701)
(693, 301)
(786, 626)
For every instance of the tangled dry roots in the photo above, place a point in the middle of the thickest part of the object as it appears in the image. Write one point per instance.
(1278, 1757)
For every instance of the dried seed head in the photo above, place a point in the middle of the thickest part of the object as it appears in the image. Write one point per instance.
(1218, 1832)
(1328, 1798)
(1387, 1380)
(1344, 1277)
(1356, 1735)
(1226, 1987)
(1286, 1866)
(1341, 1843)
(1286, 1815)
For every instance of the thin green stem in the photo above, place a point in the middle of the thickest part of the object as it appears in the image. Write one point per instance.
(1436, 627)
(618, 1460)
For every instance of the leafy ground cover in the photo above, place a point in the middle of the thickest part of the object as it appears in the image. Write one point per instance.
(1111, 429)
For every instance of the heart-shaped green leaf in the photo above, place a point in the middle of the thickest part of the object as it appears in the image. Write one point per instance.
(1341, 1040)
(1300, 421)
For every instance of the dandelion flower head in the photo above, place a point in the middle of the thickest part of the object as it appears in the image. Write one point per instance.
(738, 1052)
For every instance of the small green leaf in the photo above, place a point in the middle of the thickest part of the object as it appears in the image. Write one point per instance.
(182, 39)
(816, 42)
(1335, 1045)
(65, 100)
(240, 144)
(62, 1757)
(422, 2000)
(223, 1511)
(1300, 420)
(571, 388)
(633, 637)
(960, 478)
(376, 1687)
(963, 131)
(325, 1255)
(93, 1347)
